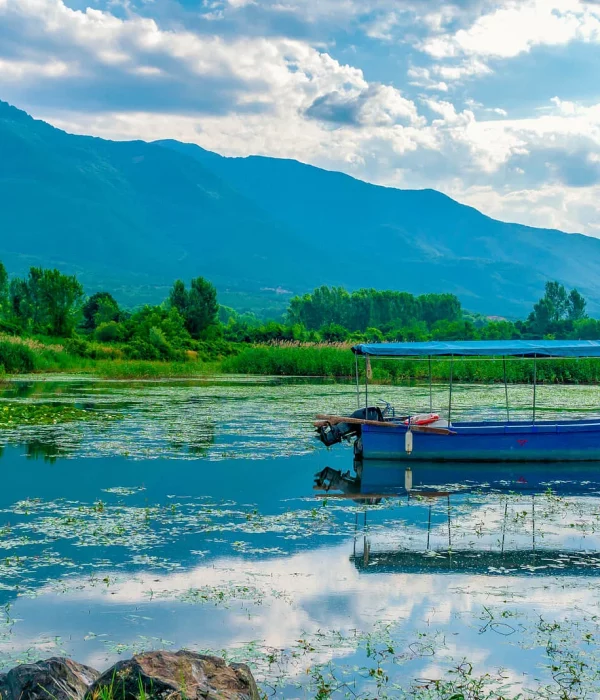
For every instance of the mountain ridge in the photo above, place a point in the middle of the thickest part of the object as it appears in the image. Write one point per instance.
(131, 216)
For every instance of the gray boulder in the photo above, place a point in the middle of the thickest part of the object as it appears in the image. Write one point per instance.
(182, 675)
(52, 679)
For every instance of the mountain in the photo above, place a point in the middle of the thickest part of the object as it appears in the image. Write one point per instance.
(418, 240)
(132, 216)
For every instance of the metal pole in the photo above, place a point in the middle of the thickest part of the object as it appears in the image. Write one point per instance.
(534, 384)
(506, 391)
(430, 394)
(366, 383)
(357, 381)
(428, 527)
(504, 524)
(533, 518)
(450, 397)
(449, 535)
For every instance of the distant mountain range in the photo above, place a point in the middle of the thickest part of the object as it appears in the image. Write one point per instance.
(132, 216)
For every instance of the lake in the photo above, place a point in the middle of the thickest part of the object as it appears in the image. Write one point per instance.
(147, 515)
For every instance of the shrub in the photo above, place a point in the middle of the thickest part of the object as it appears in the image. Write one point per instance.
(110, 332)
(16, 358)
(139, 349)
(78, 347)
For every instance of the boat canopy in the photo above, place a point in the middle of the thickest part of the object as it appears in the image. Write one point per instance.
(483, 348)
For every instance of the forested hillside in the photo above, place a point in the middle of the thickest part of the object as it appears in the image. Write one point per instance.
(132, 216)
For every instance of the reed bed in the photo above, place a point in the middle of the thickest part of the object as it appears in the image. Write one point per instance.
(338, 361)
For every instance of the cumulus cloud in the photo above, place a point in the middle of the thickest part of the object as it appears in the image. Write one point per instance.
(376, 105)
(131, 76)
(131, 64)
(517, 27)
(422, 77)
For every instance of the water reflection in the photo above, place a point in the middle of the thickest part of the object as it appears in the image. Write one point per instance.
(377, 479)
(469, 519)
(104, 554)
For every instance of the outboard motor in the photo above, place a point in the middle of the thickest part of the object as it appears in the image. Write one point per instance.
(332, 434)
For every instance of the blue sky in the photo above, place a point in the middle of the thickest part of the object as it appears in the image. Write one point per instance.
(495, 102)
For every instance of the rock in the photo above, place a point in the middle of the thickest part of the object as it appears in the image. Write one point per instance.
(182, 675)
(53, 679)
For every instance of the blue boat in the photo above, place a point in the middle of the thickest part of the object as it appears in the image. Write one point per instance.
(433, 438)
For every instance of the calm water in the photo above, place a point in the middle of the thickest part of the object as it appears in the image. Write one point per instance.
(185, 514)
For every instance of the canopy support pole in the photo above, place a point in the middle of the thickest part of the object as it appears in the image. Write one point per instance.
(533, 520)
(357, 381)
(449, 526)
(430, 392)
(506, 391)
(366, 382)
(428, 527)
(450, 397)
(534, 384)
(504, 524)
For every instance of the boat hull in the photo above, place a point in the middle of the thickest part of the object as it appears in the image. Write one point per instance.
(567, 441)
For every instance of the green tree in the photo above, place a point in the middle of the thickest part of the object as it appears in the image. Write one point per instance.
(556, 312)
(557, 299)
(59, 300)
(19, 301)
(178, 298)
(101, 307)
(541, 317)
(198, 306)
(4, 295)
(46, 302)
(576, 306)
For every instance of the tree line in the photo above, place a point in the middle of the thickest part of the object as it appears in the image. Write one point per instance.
(49, 303)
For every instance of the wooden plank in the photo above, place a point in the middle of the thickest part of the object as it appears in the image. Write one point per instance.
(324, 419)
(334, 420)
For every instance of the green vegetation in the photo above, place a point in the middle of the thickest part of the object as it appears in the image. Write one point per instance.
(338, 361)
(48, 325)
(13, 414)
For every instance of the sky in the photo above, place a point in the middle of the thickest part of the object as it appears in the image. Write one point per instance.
(494, 102)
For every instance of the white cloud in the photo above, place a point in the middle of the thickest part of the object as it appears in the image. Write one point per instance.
(421, 77)
(21, 70)
(517, 26)
(129, 77)
(466, 69)
(381, 28)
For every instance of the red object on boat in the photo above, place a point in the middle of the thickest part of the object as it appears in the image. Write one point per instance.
(423, 419)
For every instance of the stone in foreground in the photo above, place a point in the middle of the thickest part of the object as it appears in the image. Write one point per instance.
(55, 678)
(182, 675)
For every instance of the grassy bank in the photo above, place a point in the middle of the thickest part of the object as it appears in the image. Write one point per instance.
(28, 356)
(18, 356)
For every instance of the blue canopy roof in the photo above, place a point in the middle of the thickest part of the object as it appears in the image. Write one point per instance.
(484, 348)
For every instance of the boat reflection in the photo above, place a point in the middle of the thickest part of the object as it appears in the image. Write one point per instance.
(468, 519)
(374, 480)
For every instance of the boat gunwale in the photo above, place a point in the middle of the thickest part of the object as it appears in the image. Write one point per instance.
(466, 427)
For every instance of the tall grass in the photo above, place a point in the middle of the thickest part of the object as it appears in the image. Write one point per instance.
(298, 360)
(48, 361)
(338, 361)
